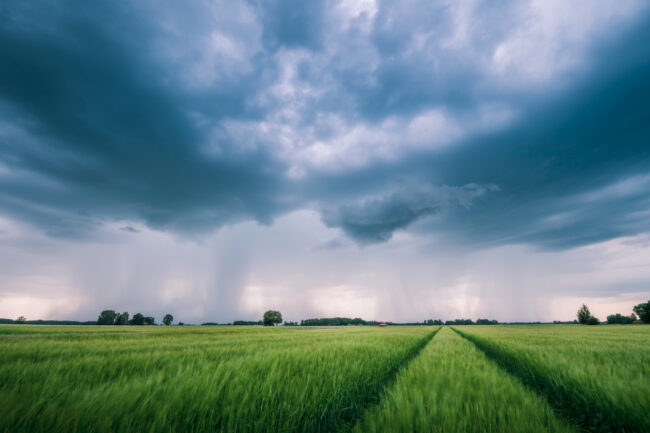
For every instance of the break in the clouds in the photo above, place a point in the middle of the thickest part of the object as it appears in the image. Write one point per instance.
(384, 131)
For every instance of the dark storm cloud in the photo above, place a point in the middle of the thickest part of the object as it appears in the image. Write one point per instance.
(292, 23)
(91, 131)
(581, 145)
(375, 220)
(571, 171)
(113, 112)
(407, 80)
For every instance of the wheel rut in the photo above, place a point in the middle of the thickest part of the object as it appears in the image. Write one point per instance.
(593, 412)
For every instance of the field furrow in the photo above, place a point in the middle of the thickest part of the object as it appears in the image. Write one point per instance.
(596, 378)
(453, 387)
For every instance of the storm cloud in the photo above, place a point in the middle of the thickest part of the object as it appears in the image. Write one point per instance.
(402, 125)
(375, 220)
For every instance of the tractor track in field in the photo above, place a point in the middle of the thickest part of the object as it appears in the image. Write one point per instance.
(587, 414)
(348, 423)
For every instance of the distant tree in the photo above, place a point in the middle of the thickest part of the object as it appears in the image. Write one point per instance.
(148, 320)
(272, 317)
(290, 324)
(593, 321)
(138, 319)
(168, 319)
(21, 320)
(643, 311)
(247, 322)
(106, 317)
(486, 322)
(584, 314)
(181, 324)
(122, 319)
(620, 319)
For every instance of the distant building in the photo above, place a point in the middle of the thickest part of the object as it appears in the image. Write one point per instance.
(381, 324)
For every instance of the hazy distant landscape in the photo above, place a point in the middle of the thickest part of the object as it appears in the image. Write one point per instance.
(341, 375)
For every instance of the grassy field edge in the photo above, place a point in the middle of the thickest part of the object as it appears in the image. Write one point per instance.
(588, 410)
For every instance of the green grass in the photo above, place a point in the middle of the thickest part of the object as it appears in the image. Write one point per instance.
(453, 387)
(254, 379)
(597, 377)
(156, 379)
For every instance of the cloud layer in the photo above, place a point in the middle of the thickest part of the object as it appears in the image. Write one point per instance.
(464, 124)
(375, 220)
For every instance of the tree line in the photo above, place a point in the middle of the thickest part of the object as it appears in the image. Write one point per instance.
(469, 322)
(642, 310)
(273, 317)
(111, 317)
(345, 321)
(336, 321)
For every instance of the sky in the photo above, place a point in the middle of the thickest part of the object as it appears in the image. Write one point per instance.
(392, 160)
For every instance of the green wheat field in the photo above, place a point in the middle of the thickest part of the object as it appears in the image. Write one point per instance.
(535, 378)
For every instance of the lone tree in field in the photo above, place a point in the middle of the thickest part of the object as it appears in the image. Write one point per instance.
(643, 311)
(272, 317)
(21, 320)
(168, 319)
(585, 317)
(583, 314)
(106, 317)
